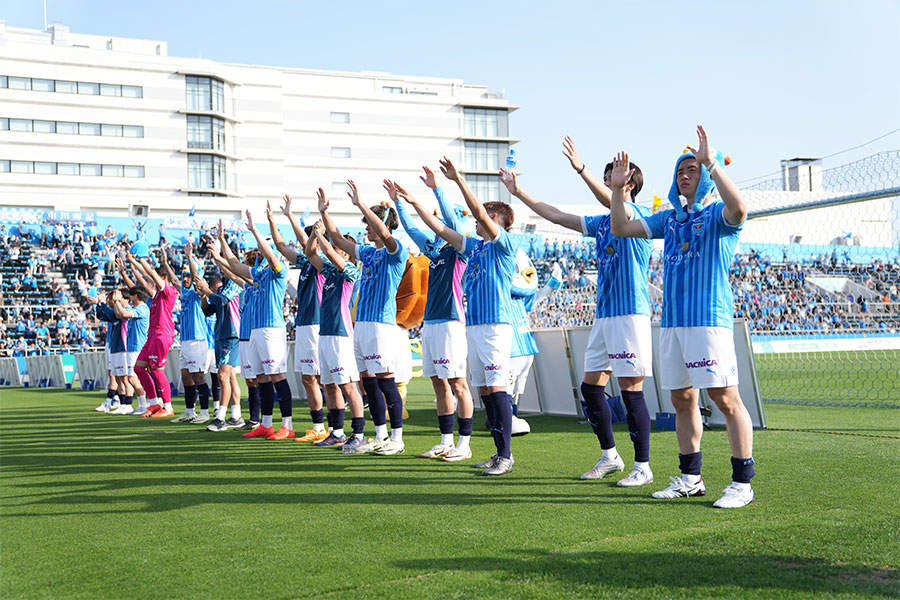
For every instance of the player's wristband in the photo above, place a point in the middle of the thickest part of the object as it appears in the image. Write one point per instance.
(581, 170)
(554, 283)
(712, 166)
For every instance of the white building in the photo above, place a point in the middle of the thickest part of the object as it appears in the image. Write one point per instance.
(96, 123)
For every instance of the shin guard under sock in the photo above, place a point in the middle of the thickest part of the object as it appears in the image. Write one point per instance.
(393, 400)
(599, 415)
(638, 418)
(377, 406)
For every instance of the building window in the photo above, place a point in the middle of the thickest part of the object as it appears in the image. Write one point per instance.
(112, 170)
(4, 124)
(4, 166)
(109, 89)
(90, 170)
(42, 85)
(45, 168)
(19, 83)
(67, 87)
(206, 171)
(482, 122)
(89, 89)
(132, 91)
(89, 129)
(482, 156)
(340, 117)
(45, 126)
(21, 166)
(20, 125)
(340, 152)
(205, 93)
(339, 187)
(206, 133)
(485, 187)
(133, 171)
(132, 131)
(52, 168)
(111, 130)
(67, 168)
(392, 90)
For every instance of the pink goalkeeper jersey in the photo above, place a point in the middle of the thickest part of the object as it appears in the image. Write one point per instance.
(161, 312)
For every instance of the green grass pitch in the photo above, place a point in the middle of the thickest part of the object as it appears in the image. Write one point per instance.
(97, 506)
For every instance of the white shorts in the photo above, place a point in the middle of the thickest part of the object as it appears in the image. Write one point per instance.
(123, 363)
(444, 350)
(375, 346)
(698, 357)
(621, 344)
(268, 350)
(108, 354)
(306, 350)
(489, 347)
(336, 360)
(247, 371)
(403, 367)
(211, 366)
(193, 355)
(519, 367)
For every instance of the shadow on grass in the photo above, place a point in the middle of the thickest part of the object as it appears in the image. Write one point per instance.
(678, 573)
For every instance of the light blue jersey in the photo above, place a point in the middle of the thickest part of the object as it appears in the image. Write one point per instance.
(309, 293)
(445, 294)
(622, 265)
(523, 343)
(697, 255)
(271, 285)
(381, 274)
(337, 299)
(247, 304)
(191, 320)
(136, 328)
(488, 278)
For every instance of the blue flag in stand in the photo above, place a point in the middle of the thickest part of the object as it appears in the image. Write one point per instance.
(193, 210)
(304, 217)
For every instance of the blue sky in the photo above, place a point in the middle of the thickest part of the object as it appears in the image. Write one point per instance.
(769, 80)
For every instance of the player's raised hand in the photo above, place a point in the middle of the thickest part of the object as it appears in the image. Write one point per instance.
(323, 201)
(286, 209)
(448, 169)
(353, 193)
(391, 188)
(402, 193)
(250, 225)
(269, 214)
(704, 153)
(221, 231)
(428, 179)
(570, 152)
(509, 179)
(319, 228)
(188, 248)
(620, 177)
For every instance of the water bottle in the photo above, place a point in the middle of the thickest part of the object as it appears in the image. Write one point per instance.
(510, 164)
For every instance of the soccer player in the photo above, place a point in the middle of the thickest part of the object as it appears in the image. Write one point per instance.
(268, 338)
(620, 342)
(337, 361)
(247, 301)
(105, 312)
(151, 362)
(377, 336)
(194, 346)
(444, 327)
(696, 339)
(306, 325)
(149, 289)
(134, 319)
(225, 301)
(487, 281)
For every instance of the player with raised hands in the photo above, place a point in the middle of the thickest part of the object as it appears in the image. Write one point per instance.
(620, 342)
(444, 327)
(306, 325)
(377, 338)
(696, 339)
(268, 340)
(487, 280)
(337, 361)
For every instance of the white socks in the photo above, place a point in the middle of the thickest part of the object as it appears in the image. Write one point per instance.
(338, 432)
(381, 431)
(220, 413)
(463, 442)
(235, 412)
(267, 420)
(287, 422)
(611, 453)
(397, 434)
(446, 439)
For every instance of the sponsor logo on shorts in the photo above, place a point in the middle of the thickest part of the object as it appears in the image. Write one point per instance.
(441, 361)
(306, 361)
(372, 357)
(268, 361)
(705, 363)
(337, 370)
(493, 368)
(621, 355)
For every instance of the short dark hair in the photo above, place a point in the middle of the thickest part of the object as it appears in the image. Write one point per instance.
(392, 221)
(503, 210)
(637, 179)
(139, 292)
